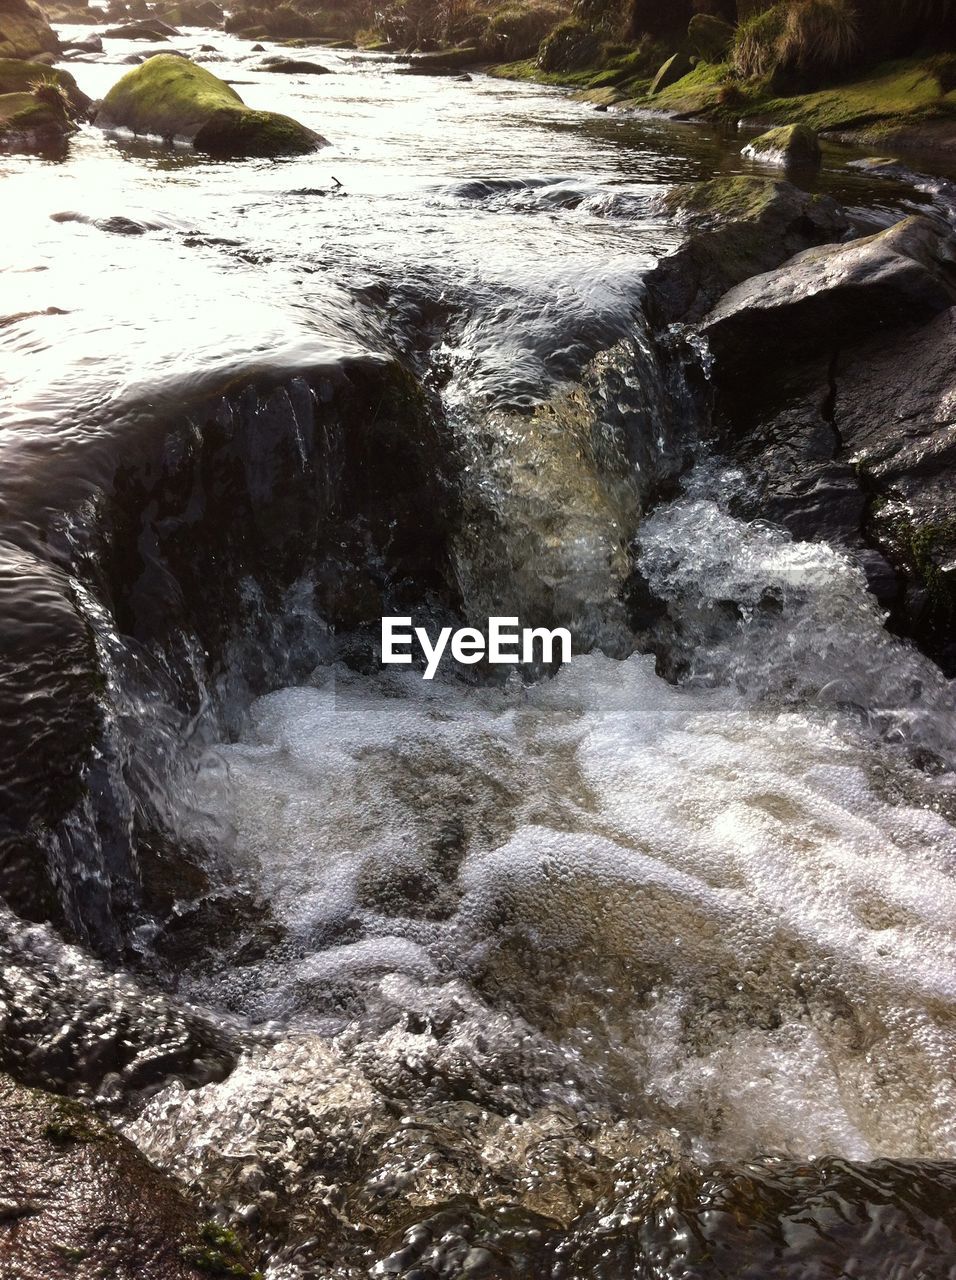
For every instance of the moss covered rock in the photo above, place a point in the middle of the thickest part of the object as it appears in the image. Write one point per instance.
(35, 121)
(81, 1201)
(17, 76)
(170, 97)
(709, 37)
(737, 227)
(789, 145)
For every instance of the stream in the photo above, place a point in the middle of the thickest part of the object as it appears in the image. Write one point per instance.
(521, 951)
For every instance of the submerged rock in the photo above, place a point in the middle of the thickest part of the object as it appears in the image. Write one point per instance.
(24, 31)
(788, 146)
(341, 478)
(79, 1200)
(173, 98)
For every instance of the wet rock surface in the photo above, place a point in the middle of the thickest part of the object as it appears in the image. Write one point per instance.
(737, 229)
(834, 383)
(213, 516)
(78, 1200)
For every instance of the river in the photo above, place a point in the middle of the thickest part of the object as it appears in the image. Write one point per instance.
(520, 942)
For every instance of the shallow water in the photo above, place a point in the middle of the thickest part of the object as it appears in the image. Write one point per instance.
(600, 917)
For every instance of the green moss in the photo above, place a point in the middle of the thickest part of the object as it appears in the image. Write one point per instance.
(895, 92)
(704, 90)
(220, 1253)
(923, 545)
(788, 143)
(725, 199)
(171, 97)
(20, 77)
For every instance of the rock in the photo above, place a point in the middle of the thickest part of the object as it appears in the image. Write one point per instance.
(193, 13)
(342, 470)
(91, 45)
(133, 59)
(292, 66)
(34, 121)
(442, 62)
(151, 30)
(834, 386)
(258, 48)
(170, 97)
(738, 227)
(17, 76)
(709, 37)
(80, 1200)
(675, 68)
(788, 146)
(24, 31)
(895, 415)
(834, 293)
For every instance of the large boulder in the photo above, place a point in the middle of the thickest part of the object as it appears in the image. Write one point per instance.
(79, 1200)
(788, 146)
(24, 31)
(736, 228)
(172, 98)
(832, 295)
(834, 386)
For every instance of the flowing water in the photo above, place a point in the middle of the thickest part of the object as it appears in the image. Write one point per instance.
(528, 948)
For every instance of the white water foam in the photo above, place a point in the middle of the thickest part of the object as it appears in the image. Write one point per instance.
(727, 909)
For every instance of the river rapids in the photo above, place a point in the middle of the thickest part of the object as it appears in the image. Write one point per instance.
(525, 958)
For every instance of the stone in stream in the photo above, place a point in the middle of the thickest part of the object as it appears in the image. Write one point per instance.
(17, 76)
(292, 66)
(77, 1199)
(35, 121)
(832, 295)
(788, 146)
(738, 227)
(24, 31)
(835, 386)
(343, 474)
(173, 98)
(93, 44)
(152, 29)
